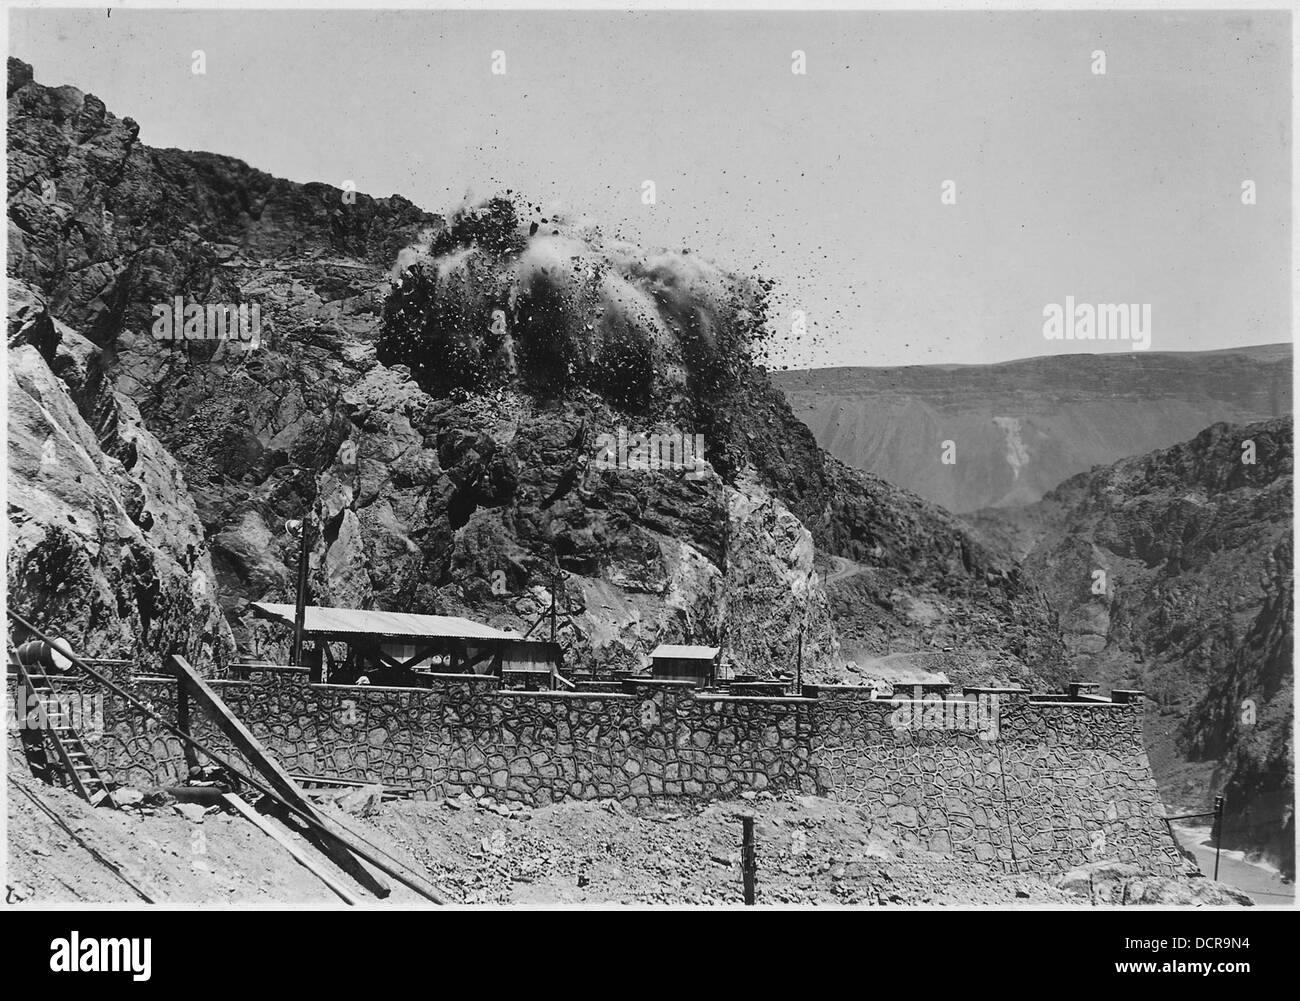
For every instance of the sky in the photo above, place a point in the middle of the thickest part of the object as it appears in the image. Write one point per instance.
(1117, 187)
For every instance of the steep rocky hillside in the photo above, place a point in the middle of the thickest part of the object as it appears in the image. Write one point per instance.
(1020, 428)
(1172, 572)
(917, 598)
(104, 543)
(435, 390)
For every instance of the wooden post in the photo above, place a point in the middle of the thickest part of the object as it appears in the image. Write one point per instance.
(183, 724)
(555, 586)
(248, 813)
(798, 671)
(243, 741)
(748, 858)
(1218, 832)
(300, 601)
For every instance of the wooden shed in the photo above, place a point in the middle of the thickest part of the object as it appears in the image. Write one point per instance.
(685, 663)
(403, 648)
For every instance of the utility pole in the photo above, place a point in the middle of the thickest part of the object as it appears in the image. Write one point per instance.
(1218, 832)
(300, 601)
(798, 670)
(304, 551)
(807, 601)
(555, 588)
(725, 604)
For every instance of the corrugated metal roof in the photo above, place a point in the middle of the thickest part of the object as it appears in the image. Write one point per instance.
(379, 623)
(669, 650)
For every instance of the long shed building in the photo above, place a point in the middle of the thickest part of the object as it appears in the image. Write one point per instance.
(353, 645)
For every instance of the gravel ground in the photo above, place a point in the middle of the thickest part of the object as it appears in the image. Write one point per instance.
(811, 851)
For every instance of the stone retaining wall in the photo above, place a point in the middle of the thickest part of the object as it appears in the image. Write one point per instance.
(1054, 784)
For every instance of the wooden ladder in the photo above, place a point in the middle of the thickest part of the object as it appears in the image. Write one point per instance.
(39, 698)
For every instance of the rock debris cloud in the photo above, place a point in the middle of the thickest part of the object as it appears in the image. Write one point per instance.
(557, 304)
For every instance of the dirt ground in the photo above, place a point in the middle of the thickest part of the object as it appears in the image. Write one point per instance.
(158, 855)
(810, 851)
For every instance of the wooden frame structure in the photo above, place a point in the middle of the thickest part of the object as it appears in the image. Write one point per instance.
(698, 664)
(404, 648)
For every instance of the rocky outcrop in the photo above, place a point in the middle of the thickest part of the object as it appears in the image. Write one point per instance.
(922, 588)
(104, 546)
(108, 227)
(1172, 573)
(1245, 720)
(1114, 884)
(777, 609)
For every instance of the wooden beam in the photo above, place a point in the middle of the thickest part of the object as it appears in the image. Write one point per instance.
(478, 658)
(379, 859)
(280, 780)
(421, 653)
(250, 814)
(398, 870)
(352, 783)
(183, 721)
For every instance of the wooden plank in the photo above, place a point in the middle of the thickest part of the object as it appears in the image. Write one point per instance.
(354, 783)
(399, 870)
(280, 780)
(250, 814)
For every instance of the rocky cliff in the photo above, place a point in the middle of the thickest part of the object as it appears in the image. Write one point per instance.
(435, 392)
(104, 543)
(1172, 572)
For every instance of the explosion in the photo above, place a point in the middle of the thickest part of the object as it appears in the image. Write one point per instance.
(556, 307)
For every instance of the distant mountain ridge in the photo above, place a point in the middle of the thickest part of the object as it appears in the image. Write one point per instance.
(1020, 428)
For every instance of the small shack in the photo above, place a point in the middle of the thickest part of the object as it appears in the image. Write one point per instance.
(368, 646)
(685, 663)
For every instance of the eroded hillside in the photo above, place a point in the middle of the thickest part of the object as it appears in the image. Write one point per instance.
(1020, 428)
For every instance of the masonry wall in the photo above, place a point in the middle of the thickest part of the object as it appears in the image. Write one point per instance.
(1062, 782)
